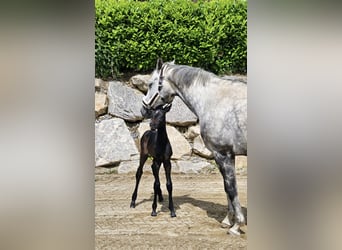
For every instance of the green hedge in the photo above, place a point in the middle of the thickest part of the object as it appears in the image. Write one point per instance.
(131, 35)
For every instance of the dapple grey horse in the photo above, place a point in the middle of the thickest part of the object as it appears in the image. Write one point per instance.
(221, 106)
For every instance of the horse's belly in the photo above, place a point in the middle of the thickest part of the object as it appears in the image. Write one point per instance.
(225, 140)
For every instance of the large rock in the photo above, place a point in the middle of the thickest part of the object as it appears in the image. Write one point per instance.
(101, 104)
(113, 143)
(180, 146)
(124, 102)
(200, 149)
(180, 114)
(193, 132)
(140, 82)
(241, 164)
(192, 167)
(101, 85)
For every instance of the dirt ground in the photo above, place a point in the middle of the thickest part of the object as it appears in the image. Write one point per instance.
(200, 204)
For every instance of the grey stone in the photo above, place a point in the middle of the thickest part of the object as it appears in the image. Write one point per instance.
(192, 167)
(101, 104)
(180, 114)
(193, 132)
(180, 146)
(128, 167)
(241, 164)
(200, 149)
(140, 82)
(113, 143)
(101, 85)
(124, 102)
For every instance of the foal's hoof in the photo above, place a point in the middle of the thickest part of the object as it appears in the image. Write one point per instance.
(132, 204)
(173, 214)
(154, 213)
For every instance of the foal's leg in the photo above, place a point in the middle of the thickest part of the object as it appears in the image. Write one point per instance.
(167, 167)
(227, 168)
(156, 186)
(143, 158)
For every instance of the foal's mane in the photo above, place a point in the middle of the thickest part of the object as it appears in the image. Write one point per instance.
(187, 75)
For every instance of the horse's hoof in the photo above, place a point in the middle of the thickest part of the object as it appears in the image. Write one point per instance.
(153, 213)
(226, 222)
(234, 230)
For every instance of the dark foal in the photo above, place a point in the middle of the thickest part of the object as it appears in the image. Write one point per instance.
(155, 143)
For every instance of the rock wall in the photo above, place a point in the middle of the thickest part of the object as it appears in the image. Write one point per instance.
(119, 126)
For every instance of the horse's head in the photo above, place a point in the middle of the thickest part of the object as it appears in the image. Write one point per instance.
(159, 92)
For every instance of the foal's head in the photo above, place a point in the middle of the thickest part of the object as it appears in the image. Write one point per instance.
(158, 119)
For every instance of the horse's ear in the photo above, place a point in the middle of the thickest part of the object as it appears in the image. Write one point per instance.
(173, 62)
(159, 63)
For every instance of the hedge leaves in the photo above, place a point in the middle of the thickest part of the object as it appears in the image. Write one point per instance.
(131, 35)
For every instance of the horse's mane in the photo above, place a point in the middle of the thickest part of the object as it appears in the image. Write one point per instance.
(187, 75)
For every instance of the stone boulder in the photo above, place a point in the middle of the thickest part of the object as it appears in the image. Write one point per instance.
(100, 85)
(124, 102)
(101, 104)
(193, 132)
(140, 82)
(180, 146)
(200, 149)
(193, 166)
(113, 143)
(241, 164)
(180, 114)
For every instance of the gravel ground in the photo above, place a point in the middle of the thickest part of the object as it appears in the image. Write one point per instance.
(200, 204)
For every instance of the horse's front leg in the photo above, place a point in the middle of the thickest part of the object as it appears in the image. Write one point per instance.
(228, 220)
(167, 167)
(156, 186)
(227, 169)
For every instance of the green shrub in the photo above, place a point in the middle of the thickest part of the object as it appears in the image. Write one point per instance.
(131, 35)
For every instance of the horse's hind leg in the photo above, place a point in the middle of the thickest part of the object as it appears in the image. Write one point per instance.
(156, 186)
(138, 175)
(167, 166)
(227, 169)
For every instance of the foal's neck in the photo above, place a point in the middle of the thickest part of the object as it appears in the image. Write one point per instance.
(161, 132)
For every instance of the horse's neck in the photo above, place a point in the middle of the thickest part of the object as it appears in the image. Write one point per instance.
(195, 97)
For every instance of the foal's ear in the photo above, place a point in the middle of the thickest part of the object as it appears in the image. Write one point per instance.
(159, 63)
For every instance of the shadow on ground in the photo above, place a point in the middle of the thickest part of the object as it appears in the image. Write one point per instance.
(214, 210)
